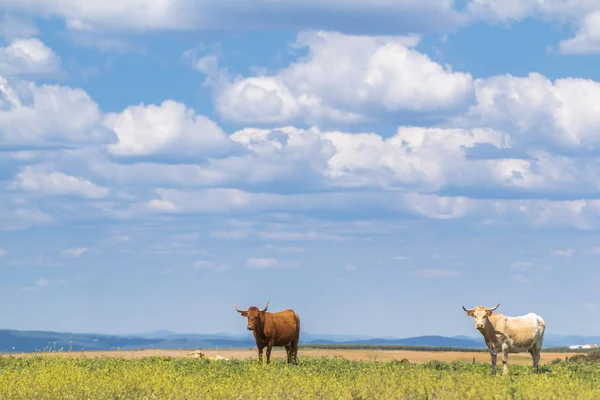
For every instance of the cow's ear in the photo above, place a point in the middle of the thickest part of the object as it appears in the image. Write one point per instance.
(244, 314)
(470, 313)
(488, 312)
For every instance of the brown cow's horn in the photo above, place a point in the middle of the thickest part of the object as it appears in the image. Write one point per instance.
(237, 309)
(470, 309)
(267, 306)
(492, 309)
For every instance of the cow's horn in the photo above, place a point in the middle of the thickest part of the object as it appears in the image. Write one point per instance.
(470, 309)
(492, 309)
(237, 309)
(267, 306)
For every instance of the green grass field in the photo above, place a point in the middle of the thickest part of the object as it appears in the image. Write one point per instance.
(45, 377)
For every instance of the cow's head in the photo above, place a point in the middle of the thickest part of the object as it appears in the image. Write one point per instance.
(480, 315)
(254, 315)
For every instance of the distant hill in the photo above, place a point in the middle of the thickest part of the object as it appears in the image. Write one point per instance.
(567, 340)
(12, 341)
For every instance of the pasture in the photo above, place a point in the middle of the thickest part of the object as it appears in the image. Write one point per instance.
(322, 373)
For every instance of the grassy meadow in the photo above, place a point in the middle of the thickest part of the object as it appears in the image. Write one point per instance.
(47, 377)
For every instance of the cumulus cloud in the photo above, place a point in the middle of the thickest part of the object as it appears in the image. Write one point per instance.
(47, 115)
(40, 180)
(587, 39)
(184, 163)
(517, 10)
(170, 126)
(29, 57)
(535, 110)
(415, 160)
(376, 16)
(583, 14)
(387, 75)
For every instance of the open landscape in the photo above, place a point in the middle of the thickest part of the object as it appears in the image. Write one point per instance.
(62, 365)
(322, 373)
(269, 199)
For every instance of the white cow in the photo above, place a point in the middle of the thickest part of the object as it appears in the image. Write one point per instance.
(509, 334)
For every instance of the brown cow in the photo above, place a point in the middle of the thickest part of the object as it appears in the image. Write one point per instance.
(274, 329)
(509, 334)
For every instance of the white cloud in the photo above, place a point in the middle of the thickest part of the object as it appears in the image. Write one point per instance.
(96, 14)
(38, 179)
(387, 76)
(205, 63)
(580, 13)
(3, 252)
(47, 115)
(421, 159)
(587, 39)
(563, 113)
(579, 214)
(378, 15)
(28, 57)
(416, 159)
(74, 253)
(170, 126)
(517, 10)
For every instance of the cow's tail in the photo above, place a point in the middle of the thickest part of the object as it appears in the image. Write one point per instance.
(541, 331)
(297, 318)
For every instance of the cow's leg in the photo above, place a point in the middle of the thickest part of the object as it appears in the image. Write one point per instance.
(288, 351)
(535, 354)
(532, 352)
(260, 352)
(295, 351)
(504, 359)
(494, 359)
(269, 348)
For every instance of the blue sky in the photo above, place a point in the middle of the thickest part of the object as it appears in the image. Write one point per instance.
(375, 167)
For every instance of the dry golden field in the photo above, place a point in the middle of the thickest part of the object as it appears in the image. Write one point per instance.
(412, 356)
